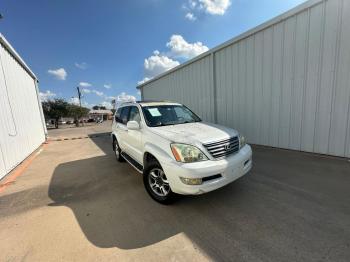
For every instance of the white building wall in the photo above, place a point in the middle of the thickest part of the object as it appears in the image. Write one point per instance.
(21, 129)
(284, 84)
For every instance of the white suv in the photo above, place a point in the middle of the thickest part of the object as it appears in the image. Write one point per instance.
(176, 151)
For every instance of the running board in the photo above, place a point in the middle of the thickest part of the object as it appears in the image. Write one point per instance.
(133, 162)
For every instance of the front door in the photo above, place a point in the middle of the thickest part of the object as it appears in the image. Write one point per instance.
(134, 140)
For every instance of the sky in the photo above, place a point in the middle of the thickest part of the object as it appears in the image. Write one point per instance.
(108, 47)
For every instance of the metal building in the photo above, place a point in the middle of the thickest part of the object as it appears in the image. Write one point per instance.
(22, 125)
(285, 83)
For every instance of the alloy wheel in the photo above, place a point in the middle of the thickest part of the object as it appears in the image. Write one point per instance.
(158, 182)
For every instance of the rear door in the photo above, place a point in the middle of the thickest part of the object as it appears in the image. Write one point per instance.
(122, 130)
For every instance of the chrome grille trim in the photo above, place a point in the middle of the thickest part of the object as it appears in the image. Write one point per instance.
(219, 149)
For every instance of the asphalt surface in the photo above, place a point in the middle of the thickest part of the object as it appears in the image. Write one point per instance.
(75, 202)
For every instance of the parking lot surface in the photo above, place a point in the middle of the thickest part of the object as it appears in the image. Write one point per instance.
(75, 202)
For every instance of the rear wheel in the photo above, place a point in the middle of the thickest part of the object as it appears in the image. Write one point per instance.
(117, 151)
(157, 184)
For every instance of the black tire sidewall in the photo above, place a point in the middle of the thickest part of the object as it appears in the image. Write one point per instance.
(163, 200)
(118, 158)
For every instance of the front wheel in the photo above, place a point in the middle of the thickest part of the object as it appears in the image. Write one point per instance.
(157, 184)
(117, 151)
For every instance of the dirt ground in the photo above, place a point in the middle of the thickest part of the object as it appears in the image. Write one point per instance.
(74, 202)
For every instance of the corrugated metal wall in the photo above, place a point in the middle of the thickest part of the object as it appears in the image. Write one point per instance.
(21, 128)
(284, 84)
(200, 96)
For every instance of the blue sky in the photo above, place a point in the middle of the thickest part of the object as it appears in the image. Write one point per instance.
(102, 45)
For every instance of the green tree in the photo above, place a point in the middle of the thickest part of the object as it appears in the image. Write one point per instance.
(54, 109)
(99, 108)
(77, 112)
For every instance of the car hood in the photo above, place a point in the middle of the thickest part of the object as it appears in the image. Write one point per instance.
(193, 133)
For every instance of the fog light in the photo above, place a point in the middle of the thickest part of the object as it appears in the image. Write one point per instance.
(191, 181)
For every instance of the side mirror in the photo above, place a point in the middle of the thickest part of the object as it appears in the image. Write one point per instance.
(133, 125)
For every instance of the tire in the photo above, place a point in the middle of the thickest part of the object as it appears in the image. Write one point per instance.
(157, 185)
(117, 151)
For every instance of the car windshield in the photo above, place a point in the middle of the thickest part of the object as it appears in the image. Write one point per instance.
(164, 115)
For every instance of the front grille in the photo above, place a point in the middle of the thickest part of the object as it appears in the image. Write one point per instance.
(223, 148)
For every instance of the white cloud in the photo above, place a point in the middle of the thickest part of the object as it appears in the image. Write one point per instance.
(143, 80)
(157, 64)
(110, 97)
(86, 104)
(84, 84)
(212, 7)
(181, 48)
(123, 97)
(46, 95)
(107, 104)
(82, 65)
(215, 7)
(59, 73)
(97, 92)
(190, 16)
(74, 100)
(107, 86)
(86, 91)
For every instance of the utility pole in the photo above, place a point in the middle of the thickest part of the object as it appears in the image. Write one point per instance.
(79, 95)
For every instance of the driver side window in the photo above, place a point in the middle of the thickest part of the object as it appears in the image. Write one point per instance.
(124, 115)
(134, 114)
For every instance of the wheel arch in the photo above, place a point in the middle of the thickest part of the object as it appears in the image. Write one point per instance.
(148, 158)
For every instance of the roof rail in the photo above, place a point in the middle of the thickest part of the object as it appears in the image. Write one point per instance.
(154, 101)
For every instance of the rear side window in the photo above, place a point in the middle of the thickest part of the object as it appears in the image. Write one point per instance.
(117, 115)
(124, 115)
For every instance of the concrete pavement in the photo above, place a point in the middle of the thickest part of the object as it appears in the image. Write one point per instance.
(75, 202)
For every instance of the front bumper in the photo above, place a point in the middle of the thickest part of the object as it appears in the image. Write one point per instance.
(230, 169)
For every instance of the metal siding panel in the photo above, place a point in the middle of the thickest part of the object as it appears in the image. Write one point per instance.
(323, 117)
(21, 124)
(235, 85)
(276, 83)
(241, 86)
(230, 93)
(258, 57)
(299, 80)
(288, 71)
(190, 85)
(266, 90)
(249, 132)
(228, 87)
(340, 110)
(4, 122)
(282, 86)
(310, 99)
(218, 84)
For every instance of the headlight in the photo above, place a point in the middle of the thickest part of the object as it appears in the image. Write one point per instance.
(241, 141)
(187, 153)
